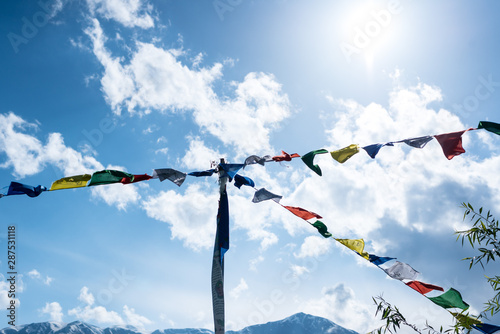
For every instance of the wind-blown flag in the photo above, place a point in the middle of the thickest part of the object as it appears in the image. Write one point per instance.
(16, 188)
(285, 156)
(490, 126)
(169, 174)
(309, 160)
(263, 194)
(466, 320)
(422, 287)
(302, 213)
(243, 181)
(486, 328)
(418, 142)
(356, 245)
(373, 149)
(255, 159)
(69, 182)
(379, 260)
(209, 172)
(230, 170)
(108, 176)
(345, 153)
(401, 271)
(322, 229)
(220, 248)
(451, 143)
(450, 299)
(136, 178)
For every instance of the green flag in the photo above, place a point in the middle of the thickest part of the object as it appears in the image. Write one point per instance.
(490, 126)
(309, 158)
(322, 229)
(450, 299)
(108, 176)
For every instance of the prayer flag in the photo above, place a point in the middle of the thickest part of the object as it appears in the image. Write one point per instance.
(16, 188)
(285, 156)
(171, 174)
(255, 159)
(322, 229)
(230, 170)
(263, 195)
(401, 271)
(135, 178)
(379, 260)
(243, 181)
(451, 143)
(356, 245)
(69, 182)
(345, 153)
(220, 248)
(302, 213)
(418, 142)
(372, 150)
(203, 173)
(108, 176)
(450, 299)
(490, 126)
(486, 328)
(309, 158)
(422, 287)
(466, 320)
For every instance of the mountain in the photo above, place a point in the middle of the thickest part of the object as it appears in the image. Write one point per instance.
(299, 323)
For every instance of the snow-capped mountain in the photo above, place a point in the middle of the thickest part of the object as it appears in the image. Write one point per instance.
(299, 323)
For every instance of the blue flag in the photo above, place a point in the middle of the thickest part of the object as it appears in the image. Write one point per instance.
(17, 188)
(243, 181)
(378, 260)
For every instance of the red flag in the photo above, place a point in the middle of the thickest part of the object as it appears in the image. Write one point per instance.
(137, 178)
(302, 213)
(451, 143)
(285, 156)
(423, 288)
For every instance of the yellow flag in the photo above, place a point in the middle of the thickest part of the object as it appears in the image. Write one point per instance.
(345, 153)
(356, 245)
(69, 182)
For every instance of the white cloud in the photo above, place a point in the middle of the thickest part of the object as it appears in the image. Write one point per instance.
(314, 246)
(155, 79)
(199, 156)
(97, 313)
(4, 293)
(298, 270)
(236, 292)
(339, 304)
(35, 274)
(135, 319)
(86, 296)
(130, 13)
(53, 309)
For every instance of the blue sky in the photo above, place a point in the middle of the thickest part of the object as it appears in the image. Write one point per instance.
(135, 85)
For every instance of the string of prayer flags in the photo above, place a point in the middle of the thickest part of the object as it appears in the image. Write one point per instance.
(450, 299)
(302, 213)
(373, 149)
(418, 142)
(16, 188)
(230, 170)
(345, 153)
(422, 287)
(285, 156)
(451, 143)
(108, 176)
(136, 178)
(357, 245)
(209, 172)
(243, 181)
(308, 159)
(255, 159)
(69, 182)
(263, 194)
(401, 271)
(379, 260)
(486, 328)
(169, 174)
(221, 246)
(490, 126)
(322, 229)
